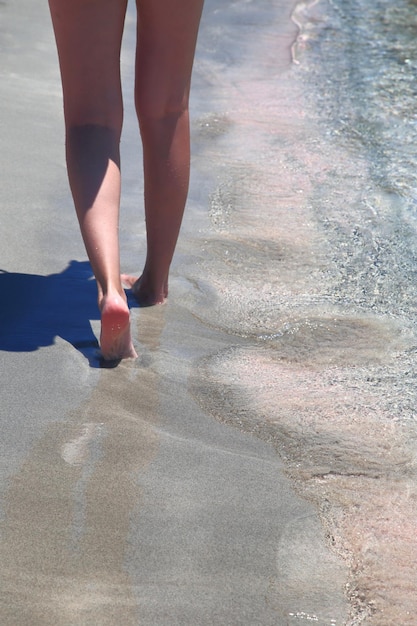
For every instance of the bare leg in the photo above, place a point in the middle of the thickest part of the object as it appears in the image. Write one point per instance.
(167, 34)
(88, 36)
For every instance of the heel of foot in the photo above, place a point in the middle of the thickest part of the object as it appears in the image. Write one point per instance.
(115, 339)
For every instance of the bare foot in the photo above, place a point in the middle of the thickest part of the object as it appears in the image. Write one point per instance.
(115, 339)
(144, 294)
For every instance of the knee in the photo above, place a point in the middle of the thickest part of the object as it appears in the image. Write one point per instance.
(81, 111)
(92, 141)
(160, 111)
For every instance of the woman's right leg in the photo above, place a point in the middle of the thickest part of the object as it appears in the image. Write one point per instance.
(166, 40)
(88, 35)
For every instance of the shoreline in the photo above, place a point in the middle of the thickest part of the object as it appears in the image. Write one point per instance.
(321, 375)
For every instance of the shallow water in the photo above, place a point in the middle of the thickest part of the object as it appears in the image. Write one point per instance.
(312, 259)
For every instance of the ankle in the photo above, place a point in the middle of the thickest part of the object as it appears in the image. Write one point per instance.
(149, 293)
(111, 293)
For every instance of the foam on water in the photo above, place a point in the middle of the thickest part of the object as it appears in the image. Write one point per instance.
(311, 257)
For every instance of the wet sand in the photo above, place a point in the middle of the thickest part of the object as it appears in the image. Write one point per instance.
(300, 230)
(226, 476)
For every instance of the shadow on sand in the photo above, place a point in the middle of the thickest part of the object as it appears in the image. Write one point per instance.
(35, 309)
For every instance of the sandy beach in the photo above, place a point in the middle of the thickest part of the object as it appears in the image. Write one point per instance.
(122, 500)
(249, 467)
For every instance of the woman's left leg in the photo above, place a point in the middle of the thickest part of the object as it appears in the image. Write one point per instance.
(166, 41)
(88, 36)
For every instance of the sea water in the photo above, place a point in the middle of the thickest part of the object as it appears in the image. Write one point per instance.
(301, 241)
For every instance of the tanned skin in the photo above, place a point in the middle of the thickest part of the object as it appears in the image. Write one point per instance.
(88, 34)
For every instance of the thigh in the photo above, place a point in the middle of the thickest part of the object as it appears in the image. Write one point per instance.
(88, 34)
(167, 36)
